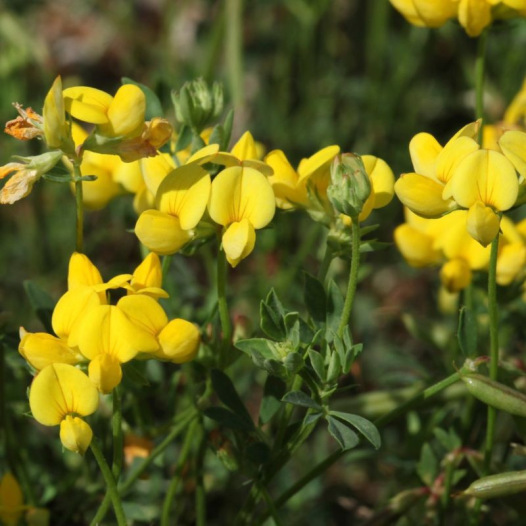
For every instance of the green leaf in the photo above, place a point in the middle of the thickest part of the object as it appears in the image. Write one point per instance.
(184, 139)
(467, 331)
(449, 440)
(312, 418)
(292, 327)
(226, 418)
(301, 399)
(272, 394)
(428, 466)
(335, 303)
(315, 300)
(153, 104)
(335, 367)
(364, 426)
(293, 363)
(218, 135)
(318, 364)
(227, 127)
(271, 322)
(275, 304)
(373, 246)
(41, 303)
(345, 436)
(264, 347)
(227, 393)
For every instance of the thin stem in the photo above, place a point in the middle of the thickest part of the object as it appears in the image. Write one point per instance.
(178, 428)
(233, 49)
(353, 277)
(270, 505)
(118, 450)
(480, 70)
(79, 206)
(200, 493)
(224, 315)
(166, 517)
(165, 266)
(111, 485)
(494, 348)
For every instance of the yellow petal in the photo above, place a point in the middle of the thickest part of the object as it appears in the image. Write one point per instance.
(241, 193)
(415, 246)
(382, 180)
(69, 313)
(184, 194)
(510, 262)
(129, 175)
(425, 13)
(148, 273)
(19, 185)
(422, 195)
(11, 500)
(87, 104)
(107, 330)
(238, 241)
(482, 223)
(485, 176)
(513, 146)
(424, 150)
(161, 233)
(474, 16)
(125, 113)
(55, 128)
(204, 155)
(75, 434)
(245, 147)
(155, 169)
(41, 349)
(260, 166)
(144, 312)
(451, 156)
(318, 165)
(179, 341)
(455, 275)
(60, 389)
(105, 372)
(82, 272)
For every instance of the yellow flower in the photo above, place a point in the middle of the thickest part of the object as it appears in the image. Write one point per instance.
(11, 500)
(474, 16)
(242, 201)
(108, 338)
(178, 339)
(59, 394)
(147, 278)
(426, 13)
(180, 202)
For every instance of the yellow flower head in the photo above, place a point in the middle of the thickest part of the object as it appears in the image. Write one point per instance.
(241, 200)
(59, 394)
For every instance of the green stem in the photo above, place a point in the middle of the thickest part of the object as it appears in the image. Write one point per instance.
(494, 349)
(118, 449)
(270, 505)
(185, 418)
(480, 70)
(111, 485)
(79, 206)
(165, 266)
(224, 315)
(233, 49)
(353, 277)
(200, 493)
(166, 517)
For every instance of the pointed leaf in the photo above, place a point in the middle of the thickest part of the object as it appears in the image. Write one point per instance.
(301, 399)
(272, 394)
(315, 300)
(318, 364)
(271, 322)
(262, 346)
(342, 434)
(364, 426)
(227, 393)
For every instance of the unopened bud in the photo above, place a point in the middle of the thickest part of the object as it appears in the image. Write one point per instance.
(350, 185)
(197, 105)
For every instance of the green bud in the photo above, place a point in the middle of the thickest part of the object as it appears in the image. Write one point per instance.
(497, 485)
(350, 185)
(198, 105)
(495, 394)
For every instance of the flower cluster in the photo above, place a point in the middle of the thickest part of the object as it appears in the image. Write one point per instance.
(462, 175)
(473, 15)
(91, 332)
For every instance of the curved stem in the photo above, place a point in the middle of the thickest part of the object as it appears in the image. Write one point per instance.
(111, 485)
(79, 206)
(353, 277)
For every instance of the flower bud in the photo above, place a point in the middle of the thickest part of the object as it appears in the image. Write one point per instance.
(499, 485)
(350, 185)
(198, 105)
